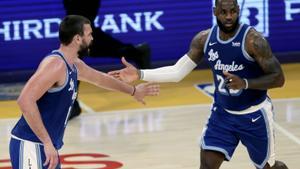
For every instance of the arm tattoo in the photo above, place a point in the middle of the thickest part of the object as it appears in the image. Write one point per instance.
(262, 53)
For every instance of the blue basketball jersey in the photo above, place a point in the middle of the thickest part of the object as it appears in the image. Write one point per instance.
(55, 106)
(232, 57)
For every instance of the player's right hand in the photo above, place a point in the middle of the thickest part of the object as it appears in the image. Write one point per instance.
(128, 74)
(51, 156)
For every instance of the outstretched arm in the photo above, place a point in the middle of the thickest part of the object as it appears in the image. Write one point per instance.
(105, 81)
(258, 47)
(174, 73)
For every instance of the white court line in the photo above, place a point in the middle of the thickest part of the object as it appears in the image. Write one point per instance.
(287, 133)
(91, 111)
(286, 99)
(85, 107)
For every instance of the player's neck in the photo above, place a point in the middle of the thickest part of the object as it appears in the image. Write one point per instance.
(225, 36)
(69, 52)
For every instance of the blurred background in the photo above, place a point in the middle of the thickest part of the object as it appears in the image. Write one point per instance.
(29, 29)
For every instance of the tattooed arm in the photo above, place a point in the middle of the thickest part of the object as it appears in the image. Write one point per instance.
(258, 48)
(197, 46)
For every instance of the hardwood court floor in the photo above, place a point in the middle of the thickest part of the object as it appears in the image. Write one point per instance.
(161, 135)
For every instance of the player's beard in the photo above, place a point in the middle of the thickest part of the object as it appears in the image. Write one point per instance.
(225, 29)
(84, 49)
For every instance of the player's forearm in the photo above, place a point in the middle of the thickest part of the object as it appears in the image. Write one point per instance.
(267, 81)
(33, 118)
(173, 73)
(107, 82)
(103, 80)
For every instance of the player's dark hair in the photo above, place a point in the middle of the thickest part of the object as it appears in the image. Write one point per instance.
(70, 26)
(217, 2)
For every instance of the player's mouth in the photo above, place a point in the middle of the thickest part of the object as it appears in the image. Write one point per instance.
(228, 25)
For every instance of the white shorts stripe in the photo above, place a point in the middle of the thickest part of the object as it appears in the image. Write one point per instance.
(38, 154)
(270, 116)
(21, 150)
(267, 112)
(30, 158)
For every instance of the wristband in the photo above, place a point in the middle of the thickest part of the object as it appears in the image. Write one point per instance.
(134, 89)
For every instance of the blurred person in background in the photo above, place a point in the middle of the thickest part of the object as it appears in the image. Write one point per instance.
(104, 45)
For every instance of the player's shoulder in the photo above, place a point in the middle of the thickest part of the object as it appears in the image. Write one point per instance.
(202, 36)
(79, 63)
(255, 40)
(53, 62)
(253, 36)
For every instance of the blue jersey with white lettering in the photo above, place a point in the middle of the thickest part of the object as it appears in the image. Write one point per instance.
(55, 106)
(231, 56)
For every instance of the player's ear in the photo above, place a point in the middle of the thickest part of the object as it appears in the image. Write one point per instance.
(77, 38)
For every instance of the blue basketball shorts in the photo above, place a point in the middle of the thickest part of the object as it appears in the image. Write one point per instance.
(27, 155)
(252, 127)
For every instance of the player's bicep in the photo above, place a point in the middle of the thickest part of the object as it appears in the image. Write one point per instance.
(262, 53)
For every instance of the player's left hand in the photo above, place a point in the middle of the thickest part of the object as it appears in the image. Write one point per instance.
(145, 89)
(233, 81)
